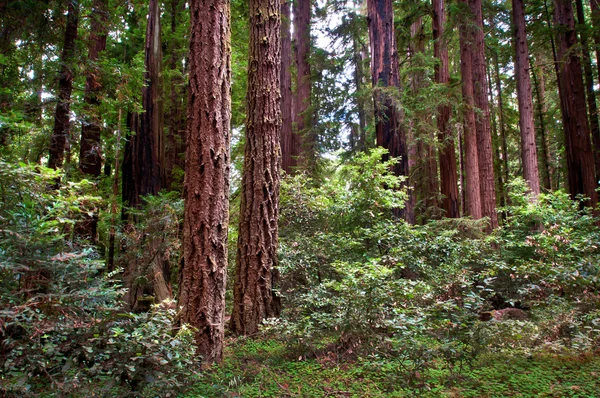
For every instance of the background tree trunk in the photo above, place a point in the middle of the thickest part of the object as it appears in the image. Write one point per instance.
(256, 258)
(288, 161)
(206, 192)
(580, 160)
(447, 153)
(384, 72)
(524, 96)
(484, 135)
(472, 187)
(62, 126)
(90, 148)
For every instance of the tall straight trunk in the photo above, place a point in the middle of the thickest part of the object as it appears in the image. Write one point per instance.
(580, 159)
(524, 96)
(589, 86)
(144, 152)
(502, 127)
(447, 153)
(540, 94)
(90, 149)
(484, 134)
(206, 193)
(359, 82)
(60, 134)
(384, 72)
(595, 6)
(288, 162)
(143, 166)
(256, 258)
(472, 186)
(175, 142)
(303, 145)
(500, 187)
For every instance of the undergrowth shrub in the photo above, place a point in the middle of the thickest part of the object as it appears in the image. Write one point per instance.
(63, 330)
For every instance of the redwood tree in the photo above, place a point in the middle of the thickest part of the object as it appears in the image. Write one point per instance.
(472, 189)
(447, 154)
(384, 72)
(206, 186)
(90, 150)
(482, 120)
(580, 159)
(288, 161)
(60, 134)
(256, 257)
(524, 96)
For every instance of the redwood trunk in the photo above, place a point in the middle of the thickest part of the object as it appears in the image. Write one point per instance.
(90, 149)
(303, 141)
(256, 258)
(484, 134)
(288, 161)
(447, 153)
(589, 86)
(580, 160)
(60, 135)
(471, 158)
(206, 192)
(524, 96)
(384, 72)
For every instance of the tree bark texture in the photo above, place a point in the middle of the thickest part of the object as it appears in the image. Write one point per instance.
(288, 161)
(580, 160)
(303, 145)
(589, 86)
(90, 148)
(525, 98)
(545, 158)
(206, 186)
(384, 72)
(447, 153)
(144, 152)
(62, 126)
(256, 258)
(472, 187)
(484, 134)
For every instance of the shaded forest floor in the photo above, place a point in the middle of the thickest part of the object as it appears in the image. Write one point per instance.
(266, 368)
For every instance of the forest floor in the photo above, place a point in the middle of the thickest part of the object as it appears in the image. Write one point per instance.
(265, 368)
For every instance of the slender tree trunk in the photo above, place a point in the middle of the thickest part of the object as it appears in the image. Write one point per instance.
(303, 146)
(113, 205)
(447, 153)
(90, 149)
(502, 120)
(288, 162)
(496, 143)
(62, 126)
(545, 158)
(580, 159)
(203, 275)
(484, 135)
(256, 258)
(524, 96)
(589, 86)
(384, 71)
(471, 158)
(359, 82)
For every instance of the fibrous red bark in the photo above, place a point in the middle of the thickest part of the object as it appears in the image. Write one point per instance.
(288, 161)
(256, 258)
(206, 186)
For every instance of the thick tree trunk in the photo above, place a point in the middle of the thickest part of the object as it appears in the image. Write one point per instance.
(90, 149)
(472, 187)
(447, 153)
(206, 192)
(384, 71)
(484, 135)
(580, 159)
(60, 135)
(256, 258)
(524, 96)
(288, 161)
(303, 145)
(589, 87)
